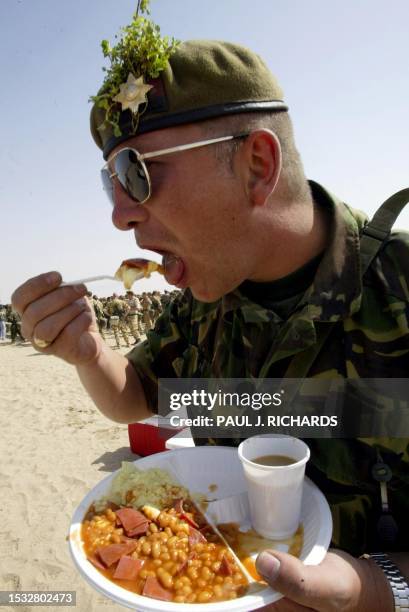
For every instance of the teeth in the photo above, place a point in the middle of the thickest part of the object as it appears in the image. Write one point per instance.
(168, 259)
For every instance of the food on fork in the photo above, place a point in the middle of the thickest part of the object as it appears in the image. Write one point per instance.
(132, 270)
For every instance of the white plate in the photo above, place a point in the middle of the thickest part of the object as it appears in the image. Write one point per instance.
(197, 469)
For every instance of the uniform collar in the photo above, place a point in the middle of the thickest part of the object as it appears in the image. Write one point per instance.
(336, 292)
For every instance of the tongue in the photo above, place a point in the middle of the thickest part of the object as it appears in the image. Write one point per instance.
(174, 268)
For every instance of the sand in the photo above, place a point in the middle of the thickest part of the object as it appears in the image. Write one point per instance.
(55, 446)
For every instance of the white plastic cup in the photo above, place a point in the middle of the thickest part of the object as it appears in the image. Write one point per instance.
(274, 492)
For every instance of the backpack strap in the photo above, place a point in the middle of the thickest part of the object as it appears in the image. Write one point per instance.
(378, 229)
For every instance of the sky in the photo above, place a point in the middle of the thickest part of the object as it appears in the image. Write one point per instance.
(343, 66)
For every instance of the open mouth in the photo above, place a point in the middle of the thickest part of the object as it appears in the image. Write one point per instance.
(174, 266)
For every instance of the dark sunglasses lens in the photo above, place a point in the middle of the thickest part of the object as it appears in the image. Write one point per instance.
(132, 175)
(107, 184)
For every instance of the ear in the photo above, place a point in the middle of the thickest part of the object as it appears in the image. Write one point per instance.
(261, 159)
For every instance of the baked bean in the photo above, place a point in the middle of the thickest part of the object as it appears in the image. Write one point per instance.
(155, 550)
(186, 590)
(165, 578)
(167, 566)
(153, 528)
(191, 598)
(192, 573)
(172, 541)
(146, 548)
(203, 596)
(178, 584)
(110, 515)
(145, 573)
(205, 573)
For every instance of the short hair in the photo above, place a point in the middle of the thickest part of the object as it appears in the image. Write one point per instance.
(295, 183)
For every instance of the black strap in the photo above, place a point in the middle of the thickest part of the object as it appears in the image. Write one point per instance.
(378, 229)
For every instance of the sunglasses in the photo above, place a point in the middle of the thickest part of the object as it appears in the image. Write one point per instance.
(129, 168)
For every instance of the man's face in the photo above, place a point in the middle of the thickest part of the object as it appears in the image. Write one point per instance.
(197, 213)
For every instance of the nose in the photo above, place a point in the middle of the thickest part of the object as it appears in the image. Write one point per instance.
(127, 213)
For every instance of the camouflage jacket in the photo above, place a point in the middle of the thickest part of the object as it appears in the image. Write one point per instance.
(98, 309)
(118, 308)
(369, 338)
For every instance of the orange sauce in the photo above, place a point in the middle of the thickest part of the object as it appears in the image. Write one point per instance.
(249, 543)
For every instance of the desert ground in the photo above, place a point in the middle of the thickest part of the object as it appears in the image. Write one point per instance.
(55, 446)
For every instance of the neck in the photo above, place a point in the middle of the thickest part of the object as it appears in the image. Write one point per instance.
(296, 234)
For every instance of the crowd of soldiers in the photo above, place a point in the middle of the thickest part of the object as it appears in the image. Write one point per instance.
(128, 315)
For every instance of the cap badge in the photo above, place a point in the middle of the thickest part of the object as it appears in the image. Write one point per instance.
(132, 93)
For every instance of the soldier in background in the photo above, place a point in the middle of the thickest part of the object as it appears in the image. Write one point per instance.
(118, 309)
(99, 313)
(132, 318)
(14, 320)
(165, 299)
(156, 306)
(3, 318)
(146, 312)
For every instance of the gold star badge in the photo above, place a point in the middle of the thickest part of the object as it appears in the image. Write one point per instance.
(132, 93)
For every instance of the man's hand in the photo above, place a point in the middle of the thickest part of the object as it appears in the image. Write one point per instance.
(60, 316)
(340, 583)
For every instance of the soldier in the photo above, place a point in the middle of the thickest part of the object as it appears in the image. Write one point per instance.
(146, 312)
(156, 307)
(165, 299)
(118, 310)
(132, 317)
(272, 272)
(15, 326)
(99, 313)
(3, 318)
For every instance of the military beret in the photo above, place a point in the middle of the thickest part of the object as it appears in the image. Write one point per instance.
(203, 79)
